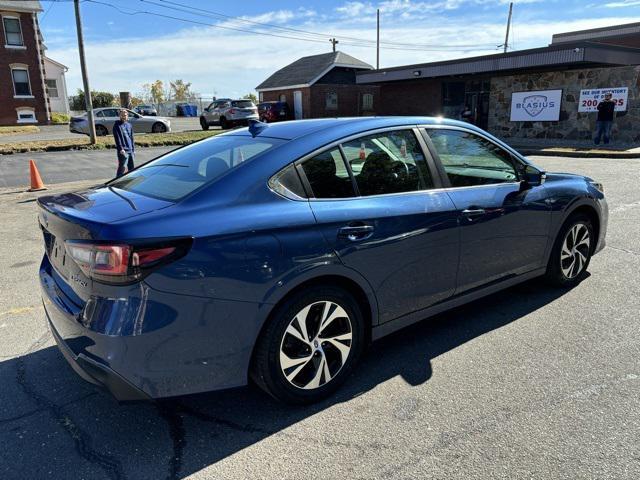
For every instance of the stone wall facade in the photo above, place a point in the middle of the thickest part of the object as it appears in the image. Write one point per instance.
(572, 125)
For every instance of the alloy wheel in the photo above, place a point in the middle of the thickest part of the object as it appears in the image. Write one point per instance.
(316, 345)
(575, 250)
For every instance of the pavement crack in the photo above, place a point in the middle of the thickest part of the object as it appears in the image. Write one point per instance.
(619, 249)
(39, 410)
(171, 413)
(82, 441)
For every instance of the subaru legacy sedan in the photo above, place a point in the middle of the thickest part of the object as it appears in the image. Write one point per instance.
(275, 254)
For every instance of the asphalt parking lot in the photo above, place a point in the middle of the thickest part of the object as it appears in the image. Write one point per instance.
(532, 382)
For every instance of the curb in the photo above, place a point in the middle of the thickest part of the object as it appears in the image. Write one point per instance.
(555, 153)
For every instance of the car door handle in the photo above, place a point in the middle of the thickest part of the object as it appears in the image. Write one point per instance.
(356, 232)
(473, 212)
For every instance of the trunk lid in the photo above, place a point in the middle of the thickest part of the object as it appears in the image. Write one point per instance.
(81, 216)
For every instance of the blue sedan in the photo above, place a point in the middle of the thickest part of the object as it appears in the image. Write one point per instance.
(276, 253)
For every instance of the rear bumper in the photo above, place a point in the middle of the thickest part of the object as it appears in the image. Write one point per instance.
(94, 372)
(604, 221)
(140, 343)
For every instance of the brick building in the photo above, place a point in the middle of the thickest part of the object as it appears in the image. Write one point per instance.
(570, 75)
(23, 97)
(322, 86)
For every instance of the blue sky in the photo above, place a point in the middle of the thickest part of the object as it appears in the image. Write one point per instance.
(127, 48)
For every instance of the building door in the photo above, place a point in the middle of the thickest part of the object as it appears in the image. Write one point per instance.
(297, 104)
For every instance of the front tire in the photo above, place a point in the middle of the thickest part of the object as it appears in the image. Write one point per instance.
(310, 345)
(571, 252)
(204, 124)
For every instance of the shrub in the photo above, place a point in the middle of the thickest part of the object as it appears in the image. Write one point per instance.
(59, 118)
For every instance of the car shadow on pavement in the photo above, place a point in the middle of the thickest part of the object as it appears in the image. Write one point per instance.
(53, 424)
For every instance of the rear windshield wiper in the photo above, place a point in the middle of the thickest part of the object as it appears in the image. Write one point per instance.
(129, 201)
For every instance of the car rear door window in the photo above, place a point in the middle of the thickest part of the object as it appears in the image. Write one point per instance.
(471, 160)
(388, 162)
(178, 173)
(327, 175)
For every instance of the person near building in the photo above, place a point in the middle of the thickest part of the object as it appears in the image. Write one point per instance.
(604, 120)
(123, 135)
(466, 115)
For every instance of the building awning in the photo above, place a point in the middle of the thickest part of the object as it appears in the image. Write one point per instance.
(554, 56)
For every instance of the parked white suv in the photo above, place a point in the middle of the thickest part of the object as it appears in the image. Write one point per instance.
(227, 113)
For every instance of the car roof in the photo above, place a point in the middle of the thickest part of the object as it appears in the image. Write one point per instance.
(341, 127)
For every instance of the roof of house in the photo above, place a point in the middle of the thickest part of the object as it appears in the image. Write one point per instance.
(47, 59)
(308, 70)
(556, 56)
(21, 6)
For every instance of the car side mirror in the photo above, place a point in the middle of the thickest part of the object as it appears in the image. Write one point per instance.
(533, 177)
(206, 109)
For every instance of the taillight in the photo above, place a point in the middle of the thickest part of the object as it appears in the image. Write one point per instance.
(122, 263)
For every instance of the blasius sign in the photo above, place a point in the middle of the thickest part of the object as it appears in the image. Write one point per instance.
(540, 106)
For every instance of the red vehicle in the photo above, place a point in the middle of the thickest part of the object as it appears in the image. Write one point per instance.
(273, 111)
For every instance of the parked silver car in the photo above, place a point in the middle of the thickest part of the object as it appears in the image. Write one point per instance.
(148, 110)
(104, 118)
(227, 113)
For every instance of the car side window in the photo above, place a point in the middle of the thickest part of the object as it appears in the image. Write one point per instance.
(470, 160)
(100, 114)
(328, 176)
(388, 162)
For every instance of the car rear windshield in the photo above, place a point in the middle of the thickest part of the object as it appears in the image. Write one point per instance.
(242, 103)
(178, 173)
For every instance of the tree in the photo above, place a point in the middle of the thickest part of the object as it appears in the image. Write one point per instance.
(99, 100)
(156, 90)
(252, 97)
(180, 90)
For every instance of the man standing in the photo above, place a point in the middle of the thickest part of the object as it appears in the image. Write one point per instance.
(123, 135)
(604, 121)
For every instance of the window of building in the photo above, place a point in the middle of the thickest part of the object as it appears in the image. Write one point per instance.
(332, 101)
(52, 88)
(12, 32)
(471, 160)
(21, 85)
(367, 101)
(388, 162)
(26, 115)
(282, 97)
(328, 176)
(260, 97)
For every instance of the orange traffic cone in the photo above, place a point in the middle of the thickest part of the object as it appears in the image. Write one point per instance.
(36, 181)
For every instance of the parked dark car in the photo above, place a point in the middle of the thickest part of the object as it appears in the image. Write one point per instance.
(147, 110)
(262, 254)
(274, 111)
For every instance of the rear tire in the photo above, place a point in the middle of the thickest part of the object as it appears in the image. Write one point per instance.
(223, 123)
(310, 345)
(204, 124)
(571, 252)
(101, 131)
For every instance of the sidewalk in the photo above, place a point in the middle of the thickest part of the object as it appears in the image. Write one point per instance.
(572, 148)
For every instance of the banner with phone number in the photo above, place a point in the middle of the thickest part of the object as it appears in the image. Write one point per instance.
(589, 99)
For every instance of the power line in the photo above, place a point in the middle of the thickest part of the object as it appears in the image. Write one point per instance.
(296, 30)
(360, 43)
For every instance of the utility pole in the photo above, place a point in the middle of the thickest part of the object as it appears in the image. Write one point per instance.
(378, 40)
(85, 78)
(506, 38)
(333, 43)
